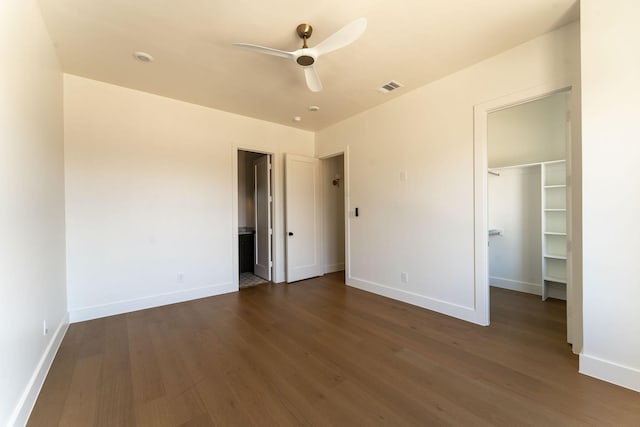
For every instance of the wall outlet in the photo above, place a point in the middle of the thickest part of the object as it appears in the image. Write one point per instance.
(404, 277)
(45, 330)
(180, 277)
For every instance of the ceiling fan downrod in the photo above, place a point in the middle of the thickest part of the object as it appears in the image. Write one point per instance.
(304, 32)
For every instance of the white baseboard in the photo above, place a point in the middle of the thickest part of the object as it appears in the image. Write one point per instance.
(126, 306)
(28, 399)
(450, 309)
(624, 376)
(515, 285)
(332, 268)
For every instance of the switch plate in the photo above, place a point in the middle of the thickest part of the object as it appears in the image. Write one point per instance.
(404, 277)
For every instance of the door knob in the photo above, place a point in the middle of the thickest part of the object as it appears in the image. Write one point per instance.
(290, 233)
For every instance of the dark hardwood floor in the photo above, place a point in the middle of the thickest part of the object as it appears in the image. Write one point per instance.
(318, 352)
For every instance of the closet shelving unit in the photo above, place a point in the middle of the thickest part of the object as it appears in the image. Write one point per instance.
(554, 229)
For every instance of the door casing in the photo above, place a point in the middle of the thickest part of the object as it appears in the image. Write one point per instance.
(481, 261)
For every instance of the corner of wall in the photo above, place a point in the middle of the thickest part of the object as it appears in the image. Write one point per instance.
(28, 398)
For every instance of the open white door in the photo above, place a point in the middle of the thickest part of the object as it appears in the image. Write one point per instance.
(262, 187)
(302, 193)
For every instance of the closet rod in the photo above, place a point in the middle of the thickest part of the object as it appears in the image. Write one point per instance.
(493, 173)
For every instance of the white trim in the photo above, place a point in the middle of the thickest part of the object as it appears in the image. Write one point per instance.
(332, 268)
(126, 306)
(480, 168)
(347, 223)
(440, 306)
(515, 285)
(480, 207)
(27, 401)
(235, 261)
(624, 376)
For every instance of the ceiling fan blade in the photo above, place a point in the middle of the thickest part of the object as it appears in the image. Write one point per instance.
(344, 36)
(265, 50)
(313, 80)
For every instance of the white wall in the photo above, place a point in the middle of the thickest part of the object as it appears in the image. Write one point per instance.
(528, 133)
(515, 257)
(611, 201)
(425, 225)
(333, 214)
(32, 250)
(151, 185)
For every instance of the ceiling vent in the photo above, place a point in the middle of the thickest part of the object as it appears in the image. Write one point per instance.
(388, 87)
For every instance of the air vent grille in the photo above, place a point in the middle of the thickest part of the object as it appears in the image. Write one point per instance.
(388, 87)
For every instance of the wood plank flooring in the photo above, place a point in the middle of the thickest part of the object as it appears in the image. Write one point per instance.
(318, 352)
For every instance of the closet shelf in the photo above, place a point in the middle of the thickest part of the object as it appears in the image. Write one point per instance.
(554, 225)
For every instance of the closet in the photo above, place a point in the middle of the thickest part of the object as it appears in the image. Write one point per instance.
(528, 228)
(527, 197)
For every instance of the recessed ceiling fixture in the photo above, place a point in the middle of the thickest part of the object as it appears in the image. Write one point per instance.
(314, 108)
(297, 119)
(388, 87)
(143, 56)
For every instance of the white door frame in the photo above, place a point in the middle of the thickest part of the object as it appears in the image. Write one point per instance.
(234, 210)
(347, 245)
(481, 238)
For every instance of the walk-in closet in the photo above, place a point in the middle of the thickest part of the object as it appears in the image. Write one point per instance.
(527, 194)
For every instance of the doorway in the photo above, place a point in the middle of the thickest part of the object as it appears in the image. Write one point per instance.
(333, 193)
(528, 198)
(315, 215)
(255, 218)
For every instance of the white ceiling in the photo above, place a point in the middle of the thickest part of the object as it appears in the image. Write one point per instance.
(410, 41)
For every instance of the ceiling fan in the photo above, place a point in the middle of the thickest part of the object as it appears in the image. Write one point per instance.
(307, 56)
